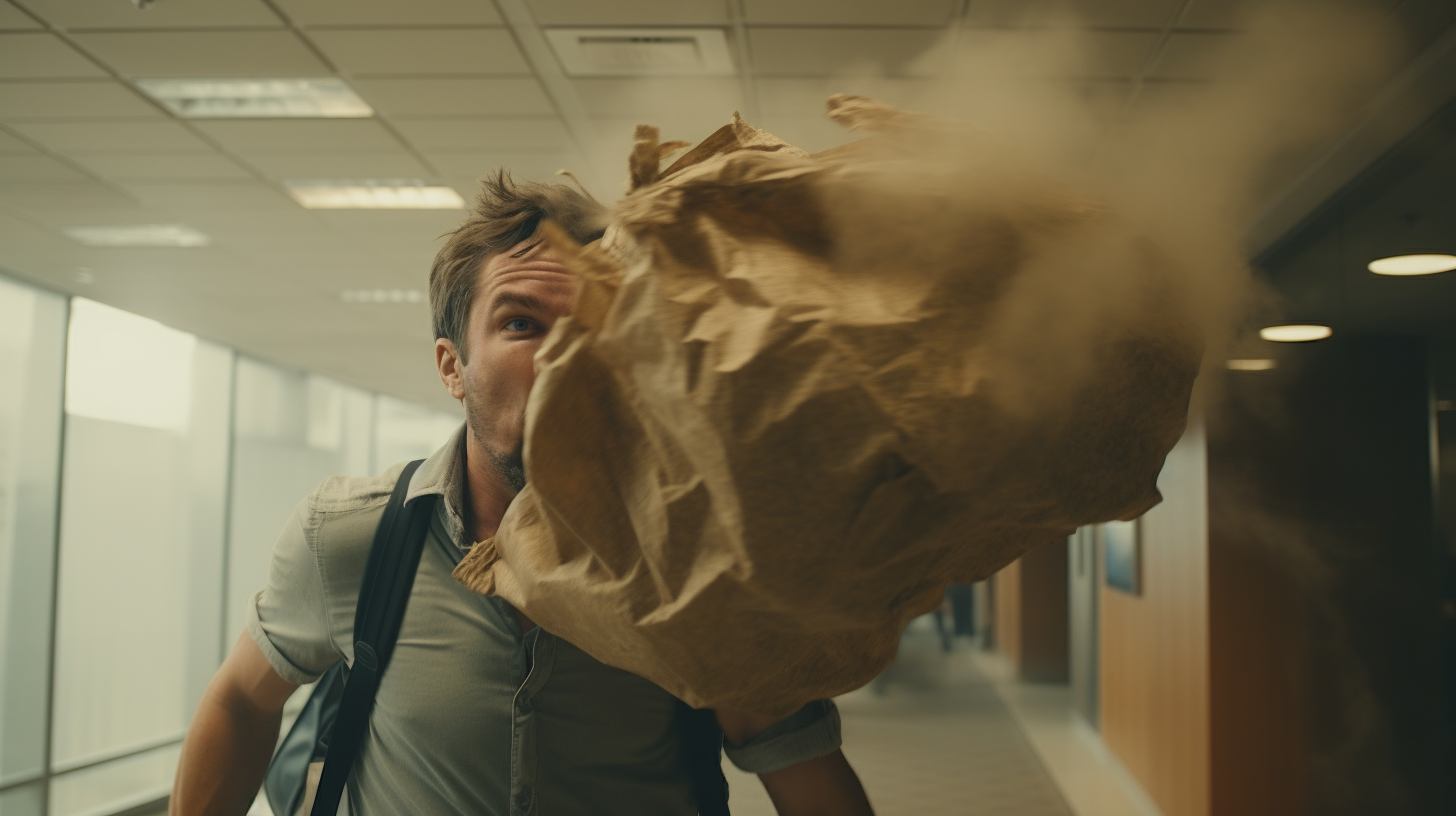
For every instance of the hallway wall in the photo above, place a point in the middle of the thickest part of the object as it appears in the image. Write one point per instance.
(1154, 646)
(1031, 614)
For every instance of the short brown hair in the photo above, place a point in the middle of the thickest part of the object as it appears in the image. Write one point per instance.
(506, 213)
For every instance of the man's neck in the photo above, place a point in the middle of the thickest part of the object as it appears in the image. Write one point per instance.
(486, 493)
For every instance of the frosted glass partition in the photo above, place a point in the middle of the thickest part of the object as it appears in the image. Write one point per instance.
(32, 338)
(112, 786)
(290, 432)
(25, 800)
(144, 476)
(404, 431)
(141, 543)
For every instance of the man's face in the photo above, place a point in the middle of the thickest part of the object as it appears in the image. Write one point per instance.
(521, 293)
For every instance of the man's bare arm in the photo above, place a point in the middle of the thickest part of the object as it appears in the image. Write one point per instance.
(826, 786)
(232, 736)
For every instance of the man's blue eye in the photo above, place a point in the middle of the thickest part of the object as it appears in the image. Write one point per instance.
(520, 324)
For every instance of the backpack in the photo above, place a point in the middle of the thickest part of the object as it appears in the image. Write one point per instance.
(308, 771)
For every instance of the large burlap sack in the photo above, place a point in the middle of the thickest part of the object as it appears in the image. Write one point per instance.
(800, 394)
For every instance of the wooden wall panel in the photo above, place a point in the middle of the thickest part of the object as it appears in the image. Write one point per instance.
(1325, 627)
(1006, 594)
(1154, 646)
(1045, 644)
(1031, 626)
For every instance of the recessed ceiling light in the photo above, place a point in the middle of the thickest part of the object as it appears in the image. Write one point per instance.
(138, 235)
(382, 296)
(642, 51)
(1296, 333)
(257, 98)
(1413, 264)
(374, 194)
(1251, 365)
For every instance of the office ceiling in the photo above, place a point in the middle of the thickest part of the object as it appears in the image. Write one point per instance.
(459, 87)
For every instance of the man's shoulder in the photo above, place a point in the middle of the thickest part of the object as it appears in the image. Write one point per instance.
(344, 510)
(346, 494)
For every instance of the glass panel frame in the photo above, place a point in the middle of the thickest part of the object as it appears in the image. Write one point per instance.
(32, 355)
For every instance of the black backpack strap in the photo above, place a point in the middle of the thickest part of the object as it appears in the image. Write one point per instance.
(388, 579)
(702, 742)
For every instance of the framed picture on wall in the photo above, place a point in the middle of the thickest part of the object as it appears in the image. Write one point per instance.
(1122, 556)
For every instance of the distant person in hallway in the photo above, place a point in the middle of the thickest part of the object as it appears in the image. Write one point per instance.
(479, 711)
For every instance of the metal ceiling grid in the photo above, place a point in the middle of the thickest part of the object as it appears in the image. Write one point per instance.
(458, 86)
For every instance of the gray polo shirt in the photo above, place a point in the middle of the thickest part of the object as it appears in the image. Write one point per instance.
(473, 716)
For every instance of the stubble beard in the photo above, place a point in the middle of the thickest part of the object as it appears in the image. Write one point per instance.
(509, 465)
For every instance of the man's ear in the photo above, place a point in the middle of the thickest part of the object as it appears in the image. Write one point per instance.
(451, 367)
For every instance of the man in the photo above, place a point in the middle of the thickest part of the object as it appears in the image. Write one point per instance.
(479, 712)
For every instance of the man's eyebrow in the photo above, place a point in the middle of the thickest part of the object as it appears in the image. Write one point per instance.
(503, 299)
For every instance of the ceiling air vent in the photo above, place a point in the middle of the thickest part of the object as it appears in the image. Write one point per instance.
(642, 51)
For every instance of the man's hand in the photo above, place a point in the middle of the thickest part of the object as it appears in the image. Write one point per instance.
(826, 786)
(232, 736)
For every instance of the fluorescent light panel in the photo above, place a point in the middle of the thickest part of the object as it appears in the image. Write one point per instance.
(257, 98)
(1252, 365)
(373, 194)
(1295, 333)
(382, 296)
(1406, 265)
(138, 235)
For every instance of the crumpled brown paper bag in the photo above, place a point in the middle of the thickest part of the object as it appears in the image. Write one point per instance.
(800, 394)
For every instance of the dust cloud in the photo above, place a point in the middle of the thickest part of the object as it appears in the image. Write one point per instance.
(1179, 167)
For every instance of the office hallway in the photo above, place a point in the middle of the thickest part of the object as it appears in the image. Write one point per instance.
(939, 741)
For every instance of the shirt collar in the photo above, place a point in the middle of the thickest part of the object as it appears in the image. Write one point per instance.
(442, 474)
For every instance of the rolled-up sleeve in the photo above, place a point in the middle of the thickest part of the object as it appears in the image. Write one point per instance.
(288, 618)
(809, 733)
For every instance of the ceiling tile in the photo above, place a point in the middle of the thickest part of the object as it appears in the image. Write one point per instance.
(21, 101)
(1116, 53)
(805, 98)
(810, 133)
(11, 146)
(73, 14)
(471, 166)
(1162, 97)
(824, 51)
(630, 12)
(111, 137)
(36, 168)
(850, 12)
(1195, 55)
(63, 197)
(1221, 14)
(231, 195)
(423, 51)
(334, 165)
(299, 135)
(1142, 14)
(42, 55)
(504, 96)
(205, 53)
(485, 134)
(400, 230)
(13, 19)
(1126, 13)
(348, 13)
(133, 167)
(660, 97)
(615, 134)
(1013, 54)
